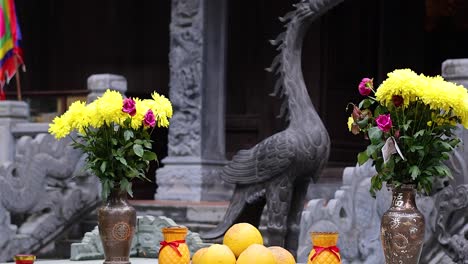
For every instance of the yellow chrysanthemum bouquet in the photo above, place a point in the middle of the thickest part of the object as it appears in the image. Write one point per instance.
(115, 132)
(410, 122)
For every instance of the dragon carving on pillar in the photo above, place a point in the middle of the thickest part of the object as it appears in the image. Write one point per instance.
(277, 171)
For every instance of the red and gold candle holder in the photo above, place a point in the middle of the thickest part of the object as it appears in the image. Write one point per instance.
(24, 259)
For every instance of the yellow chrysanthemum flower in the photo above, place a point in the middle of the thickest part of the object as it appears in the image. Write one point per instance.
(95, 119)
(404, 83)
(162, 108)
(60, 127)
(77, 115)
(433, 91)
(107, 110)
(350, 122)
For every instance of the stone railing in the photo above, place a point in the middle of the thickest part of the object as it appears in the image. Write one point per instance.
(43, 187)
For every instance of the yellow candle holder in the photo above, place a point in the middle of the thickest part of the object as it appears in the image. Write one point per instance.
(324, 250)
(24, 259)
(173, 249)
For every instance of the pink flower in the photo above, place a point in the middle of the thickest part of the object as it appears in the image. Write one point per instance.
(384, 122)
(365, 86)
(149, 120)
(397, 134)
(129, 106)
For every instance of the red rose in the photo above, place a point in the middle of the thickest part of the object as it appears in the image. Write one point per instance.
(397, 100)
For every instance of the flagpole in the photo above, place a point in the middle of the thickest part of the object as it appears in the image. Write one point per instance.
(18, 82)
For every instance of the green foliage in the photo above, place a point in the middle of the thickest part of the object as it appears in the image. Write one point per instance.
(424, 136)
(117, 155)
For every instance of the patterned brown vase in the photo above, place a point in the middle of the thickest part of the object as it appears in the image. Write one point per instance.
(116, 221)
(402, 228)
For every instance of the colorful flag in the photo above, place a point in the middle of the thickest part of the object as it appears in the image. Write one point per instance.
(11, 55)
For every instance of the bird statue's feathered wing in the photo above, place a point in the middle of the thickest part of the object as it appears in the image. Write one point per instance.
(262, 162)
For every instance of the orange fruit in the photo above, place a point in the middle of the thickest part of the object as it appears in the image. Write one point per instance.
(282, 255)
(240, 236)
(257, 254)
(217, 254)
(196, 258)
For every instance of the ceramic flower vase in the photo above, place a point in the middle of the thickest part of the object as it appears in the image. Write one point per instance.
(173, 249)
(324, 250)
(116, 221)
(402, 228)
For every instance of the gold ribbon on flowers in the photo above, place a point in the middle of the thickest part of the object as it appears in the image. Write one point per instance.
(333, 249)
(173, 244)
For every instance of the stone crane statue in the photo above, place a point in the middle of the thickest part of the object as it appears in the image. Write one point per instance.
(277, 171)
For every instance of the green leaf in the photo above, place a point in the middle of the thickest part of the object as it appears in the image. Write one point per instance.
(454, 142)
(363, 123)
(375, 135)
(129, 189)
(362, 157)
(414, 170)
(406, 126)
(365, 103)
(378, 164)
(415, 148)
(138, 150)
(442, 170)
(122, 160)
(445, 155)
(419, 133)
(105, 189)
(123, 184)
(128, 134)
(376, 184)
(371, 149)
(132, 173)
(103, 166)
(380, 110)
(390, 165)
(149, 155)
(147, 145)
(445, 146)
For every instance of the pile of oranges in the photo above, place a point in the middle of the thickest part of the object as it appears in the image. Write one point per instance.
(242, 244)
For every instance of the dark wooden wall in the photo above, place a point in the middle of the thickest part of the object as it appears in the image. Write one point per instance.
(67, 41)
(339, 48)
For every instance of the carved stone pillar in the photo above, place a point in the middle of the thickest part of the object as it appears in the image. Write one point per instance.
(11, 113)
(197, 86)
(99, 83)
(456, 71)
